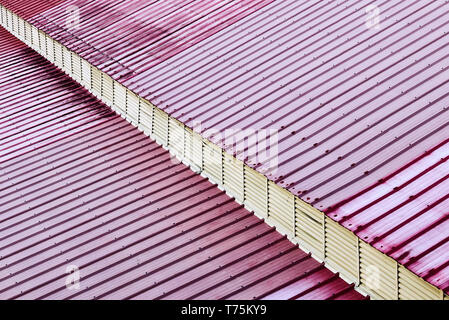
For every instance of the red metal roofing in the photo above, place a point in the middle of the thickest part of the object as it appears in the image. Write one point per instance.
(352, 104)
(406, 215)
(30, 8)
(128, 37)
(81, 186)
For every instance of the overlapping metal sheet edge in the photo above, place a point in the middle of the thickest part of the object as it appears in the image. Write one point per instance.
(82, 189)
(302, 209)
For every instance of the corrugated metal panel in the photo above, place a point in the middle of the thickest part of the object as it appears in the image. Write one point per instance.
(80, 186)
(341, 249)
(281, 207)
(405, 215)
(233, 176)
(160, 126)
(410, 284)
(76, 67)
(256, 191)
(30, 8)
(341, 95)
(213, 162)
(96, 82)
(132, 107)
(176, 137)
(165, 28)
(59, 57)
(107, 89)
(352, 104)
(50, 49)
(380, 278)
(86, 73)
(193, 148)
(42, 43)
(120, 98)
(146, 117)
(67, 61)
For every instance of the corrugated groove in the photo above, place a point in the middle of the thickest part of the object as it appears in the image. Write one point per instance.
(86, 73)
(67, 61)
(9, 20)
(50, 49)
(76, 67)
(21, 31)
(15, 23)
(43, 43)
(35, 38)
(12, 21)
(193, 148)
(59, 55)
(28, 32)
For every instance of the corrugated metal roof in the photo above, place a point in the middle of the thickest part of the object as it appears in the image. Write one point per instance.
(406, 216)
(82, 187)
(351, 104)
(30, 8)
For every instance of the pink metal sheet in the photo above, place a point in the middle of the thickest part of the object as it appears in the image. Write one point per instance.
(82, 187)
(406, 215)
(351, 103)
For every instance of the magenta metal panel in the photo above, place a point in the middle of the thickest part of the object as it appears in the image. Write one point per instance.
(80, 186)
(30, 8)
(351, 104)
(406, 215)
